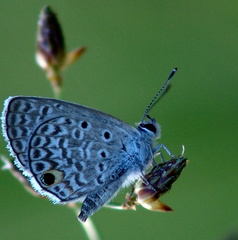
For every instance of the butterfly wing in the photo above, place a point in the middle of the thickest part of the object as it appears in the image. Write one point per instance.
(66, 150)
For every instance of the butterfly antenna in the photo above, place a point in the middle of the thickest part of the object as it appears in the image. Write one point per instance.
(164, 87)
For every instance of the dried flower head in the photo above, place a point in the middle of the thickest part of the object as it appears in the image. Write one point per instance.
(156, 183)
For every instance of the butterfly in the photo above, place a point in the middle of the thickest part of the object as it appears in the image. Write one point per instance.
(73, 153)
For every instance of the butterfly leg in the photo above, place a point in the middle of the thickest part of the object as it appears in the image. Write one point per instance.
(95, 201)
(157, 149)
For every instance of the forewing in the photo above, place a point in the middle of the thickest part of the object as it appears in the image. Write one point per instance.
(67, 150)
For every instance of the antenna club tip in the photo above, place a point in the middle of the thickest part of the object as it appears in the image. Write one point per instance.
(175, 69)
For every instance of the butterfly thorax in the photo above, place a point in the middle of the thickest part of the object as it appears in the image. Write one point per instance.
(149, 132)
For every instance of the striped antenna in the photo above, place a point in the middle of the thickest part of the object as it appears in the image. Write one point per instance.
(164, 87)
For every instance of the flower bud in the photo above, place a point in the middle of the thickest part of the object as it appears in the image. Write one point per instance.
(51, 55)
(50, 46)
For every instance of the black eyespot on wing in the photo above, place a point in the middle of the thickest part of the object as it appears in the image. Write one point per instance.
(84, 124)
(107, 135)
(103, 154)
(51, 177)
(47, 179)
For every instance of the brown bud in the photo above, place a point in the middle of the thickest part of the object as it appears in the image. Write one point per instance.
(50, 41)
(51, 54)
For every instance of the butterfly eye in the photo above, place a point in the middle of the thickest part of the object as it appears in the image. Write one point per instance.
(51, 177)
(148, 127)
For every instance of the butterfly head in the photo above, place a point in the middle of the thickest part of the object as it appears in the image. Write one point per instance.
(150, 127)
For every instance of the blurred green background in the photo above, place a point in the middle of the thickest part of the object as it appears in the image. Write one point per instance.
(132, 47)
